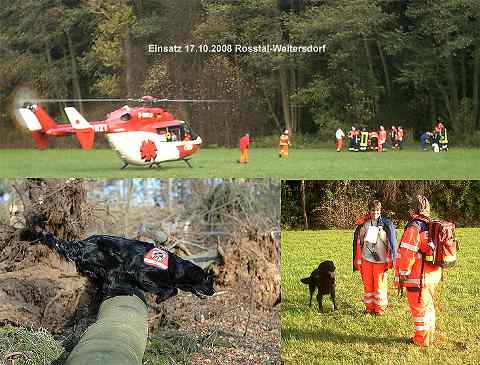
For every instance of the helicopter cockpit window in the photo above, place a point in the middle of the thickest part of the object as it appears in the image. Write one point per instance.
(171, 134)
(126, 116)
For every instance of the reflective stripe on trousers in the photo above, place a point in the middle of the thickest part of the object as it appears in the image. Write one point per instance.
(423, 314)
(375, 285)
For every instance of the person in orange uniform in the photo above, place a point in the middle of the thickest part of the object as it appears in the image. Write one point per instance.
(399, 137)
(284, 143)
(382, 138)
(244, 145)
(417, 276)
(339, 135)
(374, 252)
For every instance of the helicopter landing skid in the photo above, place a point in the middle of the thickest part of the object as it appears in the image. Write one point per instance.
(188, 163)
(125, 164)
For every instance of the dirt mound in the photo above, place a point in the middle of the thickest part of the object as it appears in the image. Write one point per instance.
(40, 289)
(252, 265)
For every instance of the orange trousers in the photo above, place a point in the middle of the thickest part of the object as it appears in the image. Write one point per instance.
(423, 313)
(375, 285)
(284, 151)
(339, 144)
(244, 156)
(380, 147)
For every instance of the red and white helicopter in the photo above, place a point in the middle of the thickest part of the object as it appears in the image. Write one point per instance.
(142, 135)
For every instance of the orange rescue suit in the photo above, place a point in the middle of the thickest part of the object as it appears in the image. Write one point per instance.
(420, 278)
(244, 145)
(374, 274)
(284, 143)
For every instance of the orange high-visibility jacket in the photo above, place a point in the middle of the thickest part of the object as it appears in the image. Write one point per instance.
(410, 268)
(400, 134)
(382, 136)
(244, 143)
(357, 241)
(284, 140)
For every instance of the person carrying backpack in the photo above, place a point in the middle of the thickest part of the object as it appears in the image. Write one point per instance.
(414, 273)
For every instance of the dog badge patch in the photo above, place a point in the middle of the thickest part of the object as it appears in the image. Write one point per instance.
(157, 257)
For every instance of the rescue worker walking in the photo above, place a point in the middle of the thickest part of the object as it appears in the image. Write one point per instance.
(417, 276)
(374, 252)
(284, 143)
(244, 145)
(339, 135)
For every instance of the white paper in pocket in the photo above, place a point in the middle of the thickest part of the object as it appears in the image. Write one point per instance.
(372, 234)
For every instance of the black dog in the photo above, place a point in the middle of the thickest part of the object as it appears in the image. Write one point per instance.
(323, 279)
(119, 262)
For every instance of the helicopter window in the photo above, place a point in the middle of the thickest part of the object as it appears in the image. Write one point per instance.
(126, 116)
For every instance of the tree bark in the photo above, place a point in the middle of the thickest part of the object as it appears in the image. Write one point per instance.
(270, 107)
(285, 94)
(370, 66)
(452, 84)
(75, 80)
(475, 84)
(464, 75)
(385, 69)
(302, 191)
(293, 107)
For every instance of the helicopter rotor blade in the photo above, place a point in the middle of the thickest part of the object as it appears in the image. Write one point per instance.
(151, 101)
(195, 100)
(43, 101)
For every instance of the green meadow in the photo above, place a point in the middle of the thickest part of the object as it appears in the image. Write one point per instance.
(321, 163)
(347, 335)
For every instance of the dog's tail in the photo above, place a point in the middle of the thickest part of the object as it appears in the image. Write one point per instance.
(305, 280)
(68, 249)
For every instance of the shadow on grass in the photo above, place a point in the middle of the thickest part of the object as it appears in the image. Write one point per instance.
(326, 335)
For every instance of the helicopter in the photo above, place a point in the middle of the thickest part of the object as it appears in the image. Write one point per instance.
(144, 135)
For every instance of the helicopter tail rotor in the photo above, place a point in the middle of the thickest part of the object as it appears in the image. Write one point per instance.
(33, 124)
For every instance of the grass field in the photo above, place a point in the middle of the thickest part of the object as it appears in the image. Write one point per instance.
(322, 163)
(347, 336)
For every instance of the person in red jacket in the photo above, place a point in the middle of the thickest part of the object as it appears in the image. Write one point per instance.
(244, 145)
(417, 276)
(374, 251)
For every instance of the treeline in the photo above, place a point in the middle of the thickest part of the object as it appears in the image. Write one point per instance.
(315, 204)
(387, 62)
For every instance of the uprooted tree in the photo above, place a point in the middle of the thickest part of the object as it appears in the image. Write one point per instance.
(38, 288)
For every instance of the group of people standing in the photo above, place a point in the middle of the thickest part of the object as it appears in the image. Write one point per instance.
(365, 140)
(375, 251)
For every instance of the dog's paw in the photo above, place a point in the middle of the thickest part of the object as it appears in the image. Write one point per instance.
(165, 294)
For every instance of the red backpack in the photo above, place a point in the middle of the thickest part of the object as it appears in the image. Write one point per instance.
(442, 246)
